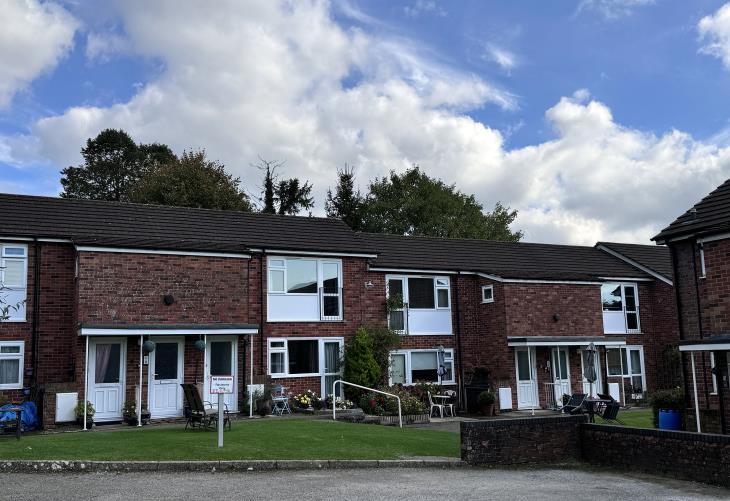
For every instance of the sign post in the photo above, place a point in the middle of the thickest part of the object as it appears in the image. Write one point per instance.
(221, 385)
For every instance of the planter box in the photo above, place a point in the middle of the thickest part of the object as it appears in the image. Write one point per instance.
(407, 419)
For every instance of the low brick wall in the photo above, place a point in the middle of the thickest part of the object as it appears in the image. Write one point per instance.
(521, 441)
(678, 454)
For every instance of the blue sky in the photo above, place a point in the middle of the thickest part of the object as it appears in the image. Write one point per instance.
(596, 119)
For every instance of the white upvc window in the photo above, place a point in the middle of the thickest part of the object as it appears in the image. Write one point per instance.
(13, 282)
(426, 308)
(620, 302)
(487, 294)
(11, 364)
(725, 376)
(628, 362)
(409, 367)
(304, 289)
(304, 356)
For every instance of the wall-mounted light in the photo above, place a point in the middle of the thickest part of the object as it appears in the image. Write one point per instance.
(369, 285)
(168, 299)
(556, 317)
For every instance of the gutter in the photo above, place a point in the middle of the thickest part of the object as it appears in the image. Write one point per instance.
(458, 345)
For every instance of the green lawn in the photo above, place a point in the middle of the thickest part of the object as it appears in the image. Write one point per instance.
(637, 418)
(260, 439)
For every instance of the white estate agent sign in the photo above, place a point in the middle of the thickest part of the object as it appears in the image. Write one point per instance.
(221, 384)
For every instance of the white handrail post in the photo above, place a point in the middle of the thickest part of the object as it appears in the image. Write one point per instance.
(334, 407)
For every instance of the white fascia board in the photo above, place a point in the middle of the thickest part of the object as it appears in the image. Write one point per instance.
(565, 343)
(714, 238)
(633, 263)
(629, 279)
(558, 282)
(124, 250)
(139, 331)
(705, 347)
(285, 252)
(407, 271)
(31, 239)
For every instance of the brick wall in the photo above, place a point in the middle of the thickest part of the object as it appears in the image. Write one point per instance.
(501, 442)
(675, 454)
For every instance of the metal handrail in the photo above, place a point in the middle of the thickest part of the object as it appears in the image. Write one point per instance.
(334, 393)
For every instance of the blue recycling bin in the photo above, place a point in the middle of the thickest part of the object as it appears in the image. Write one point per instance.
(670, 419)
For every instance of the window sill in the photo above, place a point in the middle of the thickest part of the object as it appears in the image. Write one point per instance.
(293, 376)
(14, 321)
(622, 333)
(313, 321)
(487, 302)
(10, 387)
(428, 334)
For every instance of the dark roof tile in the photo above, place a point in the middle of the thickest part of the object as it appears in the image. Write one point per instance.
(655, 257)
(709, 215)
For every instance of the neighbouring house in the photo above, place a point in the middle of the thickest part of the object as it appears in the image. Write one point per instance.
(699, 241)
(266, 296)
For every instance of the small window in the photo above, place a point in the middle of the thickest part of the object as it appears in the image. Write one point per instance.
(276, 280)
(11, 364)
(487, 294)
(442, 292)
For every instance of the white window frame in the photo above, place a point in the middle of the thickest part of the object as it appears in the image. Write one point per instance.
(13, 315)
(319, 262)
(448, 357)
(285, 350)
(436, 287)
(14, 356)
(623, 286)
(489, 288)
(714, 376)
(627, 369)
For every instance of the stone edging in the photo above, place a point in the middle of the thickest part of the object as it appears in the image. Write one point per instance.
(59, 466)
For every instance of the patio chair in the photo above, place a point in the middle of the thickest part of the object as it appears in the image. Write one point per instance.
(575, 404)
(439, 407)
(279, 400)
(199, 416)
(449, 405)
(610, 412)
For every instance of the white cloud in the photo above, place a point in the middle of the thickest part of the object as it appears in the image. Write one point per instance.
(268, 79)
(102, 47)
(421, 7)
(501, 56)
(613, 9)
(34, 37)
(715, 32)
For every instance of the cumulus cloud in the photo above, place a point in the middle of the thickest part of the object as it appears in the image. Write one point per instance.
(504, 58)
(284, 81)
(421, 7)
(715, 33)
(34, 37)
(102, 47)
(612, 9)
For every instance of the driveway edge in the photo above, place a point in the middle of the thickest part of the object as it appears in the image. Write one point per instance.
(60, 466)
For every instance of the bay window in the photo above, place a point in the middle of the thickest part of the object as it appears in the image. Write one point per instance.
(302, 289)
(620, 304)
(13, 286)
(420, 366)
(11, 364)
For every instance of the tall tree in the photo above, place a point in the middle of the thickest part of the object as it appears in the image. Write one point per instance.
(113, 164)
(191, 181)
(414, 204)
(346, 203)
(283, 196)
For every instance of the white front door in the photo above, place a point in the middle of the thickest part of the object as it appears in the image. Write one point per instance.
(165, 378)
(589, 389)
(107, 360)
(220, 360)
(526, 378)
(561, 373)
(331, 355)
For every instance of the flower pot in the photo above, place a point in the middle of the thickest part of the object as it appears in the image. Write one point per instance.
(263, 408)
(487, 409)
(670, 419)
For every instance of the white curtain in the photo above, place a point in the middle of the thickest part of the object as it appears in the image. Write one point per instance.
(103, 352)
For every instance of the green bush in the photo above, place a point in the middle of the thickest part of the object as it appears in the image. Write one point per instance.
(360, 364)
(382, 405)
(667, 400)
(384, 341)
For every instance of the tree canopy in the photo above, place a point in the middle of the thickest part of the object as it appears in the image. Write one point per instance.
(412, 203)
(283, 196)
(191, 181)
(113, 164)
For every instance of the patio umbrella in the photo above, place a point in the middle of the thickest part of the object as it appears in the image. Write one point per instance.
(589, 371)
(441, 362)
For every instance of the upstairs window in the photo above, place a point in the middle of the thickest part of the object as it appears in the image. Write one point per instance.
(421, 293)
(304, 289)
(620, 308)
(487, 294)
(13, 283)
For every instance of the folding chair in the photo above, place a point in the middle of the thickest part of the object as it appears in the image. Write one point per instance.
(610, 412)
(575, 404)
(279, 400)
(449, 406)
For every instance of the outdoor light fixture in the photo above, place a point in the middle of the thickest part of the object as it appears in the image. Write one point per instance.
(556, 317)
(369, 285)
(200, 345)
(168, 299)
(148, 346)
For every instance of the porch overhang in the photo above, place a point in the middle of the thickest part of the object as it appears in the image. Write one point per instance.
(513, 341)
(713, 343)
(169, 330)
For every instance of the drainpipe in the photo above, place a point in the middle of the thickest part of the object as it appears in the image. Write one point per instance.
(698, 304)
(678, 302)
(462, 397)
(261, 323)
(36, 310)
(141, 361)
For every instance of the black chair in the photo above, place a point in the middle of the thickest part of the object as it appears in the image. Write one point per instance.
(610, 412)
(575, 404)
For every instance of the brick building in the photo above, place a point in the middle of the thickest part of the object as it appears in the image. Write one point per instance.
(256, 295)
(699, 241)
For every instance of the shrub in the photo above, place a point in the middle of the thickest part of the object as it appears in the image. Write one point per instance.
(90, 411)
(384, 341)
(360, 364)
(486, 398)
(421, 390)
(667, 400)
(382, 405)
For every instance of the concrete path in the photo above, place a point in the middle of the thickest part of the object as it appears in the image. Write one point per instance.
(401, 484)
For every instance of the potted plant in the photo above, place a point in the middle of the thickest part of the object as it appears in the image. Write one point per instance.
(485, 401)
(129, 413)
(90, 411)
(667, 406)
(262, 401)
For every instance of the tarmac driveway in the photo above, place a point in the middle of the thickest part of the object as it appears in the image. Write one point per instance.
(371, 484)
